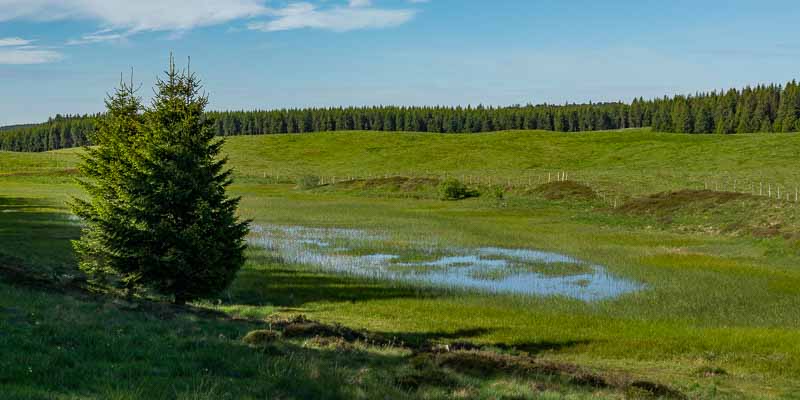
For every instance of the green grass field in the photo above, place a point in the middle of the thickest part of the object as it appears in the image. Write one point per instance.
(719, 315)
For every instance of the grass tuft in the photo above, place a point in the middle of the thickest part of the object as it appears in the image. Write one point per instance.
(260, 337)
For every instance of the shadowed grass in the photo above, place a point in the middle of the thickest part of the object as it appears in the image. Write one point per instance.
(36, 231)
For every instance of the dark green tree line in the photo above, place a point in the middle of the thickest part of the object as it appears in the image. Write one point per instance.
(764, 108)
(58, 132)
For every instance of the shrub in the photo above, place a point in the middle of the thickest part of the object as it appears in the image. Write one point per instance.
(260, 337)
(308, 182)
(496, 192)
(453, 189)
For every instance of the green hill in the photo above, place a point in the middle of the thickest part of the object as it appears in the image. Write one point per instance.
(630, 161)
(625, 162)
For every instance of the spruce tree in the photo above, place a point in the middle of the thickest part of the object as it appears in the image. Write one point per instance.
(703, 120)
(102, 250)
(789, 109)
(682, 119)
(159, 216)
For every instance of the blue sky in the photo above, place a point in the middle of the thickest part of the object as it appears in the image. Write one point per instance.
(63, 56)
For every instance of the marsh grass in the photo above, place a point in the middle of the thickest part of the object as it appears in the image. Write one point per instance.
(499, 270)
(551, 269)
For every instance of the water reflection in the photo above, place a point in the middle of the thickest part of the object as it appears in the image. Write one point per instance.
(491, 269)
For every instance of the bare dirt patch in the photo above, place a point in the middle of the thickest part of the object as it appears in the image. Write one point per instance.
(397, 183)
(565, 190)
(670, 202)
(433, 364)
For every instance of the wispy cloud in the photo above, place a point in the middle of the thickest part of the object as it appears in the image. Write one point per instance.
(105, 35)
(18, 51)
(123, 18)
(358, 14)
(118, 20)
(140, 15)
(14, 41)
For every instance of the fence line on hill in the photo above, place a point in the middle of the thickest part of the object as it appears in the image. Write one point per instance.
(609, 190)
(780, 192)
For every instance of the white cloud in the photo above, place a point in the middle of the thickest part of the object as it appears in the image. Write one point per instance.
(105, 35)
(28, 56)
(120, 19)
(17, 51)
(135, 16)
(358, 15)
(14, 41)
(360, 3)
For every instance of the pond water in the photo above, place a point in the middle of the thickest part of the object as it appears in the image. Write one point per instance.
(489, 269)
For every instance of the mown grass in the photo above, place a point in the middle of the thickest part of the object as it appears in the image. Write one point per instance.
(720, 294)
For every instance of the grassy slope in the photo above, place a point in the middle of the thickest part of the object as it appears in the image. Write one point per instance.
(714, 300)
(630, 161)
(37, 163)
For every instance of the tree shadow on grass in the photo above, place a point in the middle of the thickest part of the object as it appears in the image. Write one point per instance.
(543, 346)
(35, 232)
(145, 357)
(269, 280)
(290, 288)
(192, 356)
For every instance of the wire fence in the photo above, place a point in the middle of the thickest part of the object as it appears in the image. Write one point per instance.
(609, 189)
(611, 186)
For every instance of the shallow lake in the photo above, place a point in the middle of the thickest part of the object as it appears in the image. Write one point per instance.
(489, 269)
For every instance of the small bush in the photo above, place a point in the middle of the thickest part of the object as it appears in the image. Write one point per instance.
(260, 337)
(308, 182)
(453, 189)
(496, 192)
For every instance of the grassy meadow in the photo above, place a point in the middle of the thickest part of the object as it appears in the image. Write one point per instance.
(718, 315)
